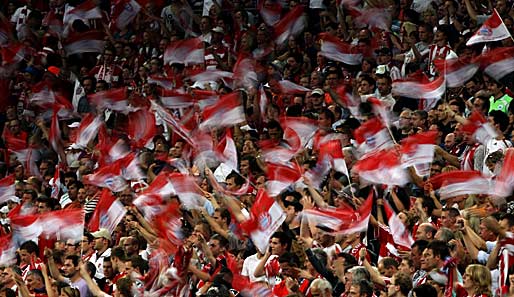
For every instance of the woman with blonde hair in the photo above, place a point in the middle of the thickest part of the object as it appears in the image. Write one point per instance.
(476, 282)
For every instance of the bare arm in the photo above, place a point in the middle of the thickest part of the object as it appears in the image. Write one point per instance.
(375, 276)
(259, 270)
(54, 272)
(93, 287)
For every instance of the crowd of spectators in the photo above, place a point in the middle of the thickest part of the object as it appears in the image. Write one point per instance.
(457, 246)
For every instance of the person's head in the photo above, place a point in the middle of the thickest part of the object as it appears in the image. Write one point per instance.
(45, 204)
(71, 266)
(424, 290)
(449, 141)
(87, 242)
(222, 217)
(29, 196)
(320, 288)
(69, 292)
(279, 243)
(136, 264)
(34, 280)
(387, 266)
(426, 231)
(499, 120)
(72, 247)
(407, 266)
(449, 217)
(28, 252)
(131, 246)
(102, 238)
(477, 279)
(507, 222)
(108, 268)
(434, 255)
(417, 249)
(367, 84)
(419, 119)
(384, 85)
(362, 288)
(400, 285)
(495, 88)
(218, 245)
(234, 181)
(7, 292)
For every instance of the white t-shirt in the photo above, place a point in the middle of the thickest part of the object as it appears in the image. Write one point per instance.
(249, 266)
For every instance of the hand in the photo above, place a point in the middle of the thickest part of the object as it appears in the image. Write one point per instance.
(307, 202)
(305, 242)
(48, 253)
(362, 254)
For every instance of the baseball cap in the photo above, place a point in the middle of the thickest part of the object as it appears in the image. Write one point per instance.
(218, 29)
(102, 233)
(318, 92)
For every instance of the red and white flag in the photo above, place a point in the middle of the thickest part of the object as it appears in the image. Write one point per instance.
(53, 22)
(245, 72)
(498, 62)
(29, 157)
(420, 90)
(85, 42)
(14, 53)
(174, 99)
(169, 119)
(348, 100)
(213, 75)
(123, 12)
(289, 87)
(227, 112)
(88, 129)
(478, 126)
(266, 216)
(114, 99)
(60, 224)
(44, 97)
(334, 151)
(372, 136)
(7, 250)
(378, 18)
(270, 11)
(187, 190)
(188, 52)
(457, 72)
(280, 177)
(6, 188)
(290, 25)
(382, 167)
(504, 183)
(227, 151)
(54, 135)
(109, 176)
(108, 213)
(141, 127)
(399, 232)
(84, 11)
(341, 220)
(302, 128)
(418, 149)
(168, 225)
(151, 200)
(164, 82)
(460, 182)
(380, 109)
(337, 50)
(493, 29)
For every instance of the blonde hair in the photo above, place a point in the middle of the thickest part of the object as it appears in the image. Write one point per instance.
(481, 278)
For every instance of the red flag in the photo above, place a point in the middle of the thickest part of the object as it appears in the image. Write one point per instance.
(341, 220)
(123, 12)
(173, 99)
(44, 97)
(187, 190)
(270, 11)
(303, 129)
(334, 151)
(141, 127)
(109, 176)
(493, 29)
(290, 25)
(418, 148)
(245, 72)
(13, 53)
(479, 127)
(457, 72)
(399, 232)
(114, 99)
(371, 136)
(498, 62)
(88, 129)
(348, 100)
(419, 90)
(55, 134)
(151, 199)
(7, 250)
(382, 167)
(227, 151)
(84, 42)
(164, 82)
(280, 177)
(460, 182)
(6, 188)
(168, 225)
(188, 51)
(337, 50)
(178, 128)
(504, 182)
(378, 18)
(213, 75)
(53, 22)
(227, 112)
(289, 87)
(266, 216)
(84, 11)
(108, 213)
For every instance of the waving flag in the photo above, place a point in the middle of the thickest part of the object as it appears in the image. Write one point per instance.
(6, 188)
(420, 90)
(212, 75)
(341, 220)
(290, 25)
(123, 12)
(498, 62)
(400, 233)
(460, 182)
(109, 176)
(151, 200)
(270, 11)
(379, 18)
(371, 136)
(504, 183)
(457, 72)
(163, 82)
(382, 167)
(174, 99)
(303, 128)
(141, 127)
(334, 151)
(493, 29)
(88, 129)
(7, 250)
(114, 99)
(266, 216)
(289, 87)
(108, 213)
(85, 42)
(168, 225)
(187, 190)
(479, 127)
(188, 51)
(337, 50)
(84, 11)
(169, 119)
(14, 53)
(227, 151)
(245, 72)
(418, 148)
(280, 177)
(227, 112)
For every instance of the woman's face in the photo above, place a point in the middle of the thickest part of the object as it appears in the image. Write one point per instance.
(467, 282)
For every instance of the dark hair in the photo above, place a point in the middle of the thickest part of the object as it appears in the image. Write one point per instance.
(282, 238)
(119, 253)
(365, 287)
(369, 79)
(238, 179)
(349, 259)
(8, 292)
(222, 240)
(37, 273)
(91, 268)
(50, 202)
(30, 246)
(31, 193)
(421, 244)
(509, 217)
(225, 214)
(389, 262)
(328, 114)
(289, 258)
(404, 281)
(74, 259)
(500, 118)
(425, 290)
(439, 248)
(452, 212)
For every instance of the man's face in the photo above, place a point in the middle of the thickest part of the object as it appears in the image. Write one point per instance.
(131, 246)
(85, 244)
(354, 291)
(128, 267)
(99, 244)
(81, 195)
(428, 261)
(276, 247)
(404, 267)
(42, 207)
(405, 120)
(244, 167)
(69, 269)
(216, 249)
(73, 191)
(447, 221)
(383, 86)
(392, 289)
(231, 184)
(449, 140)
(32, 283)
(25, 257)
(108, 269)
